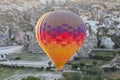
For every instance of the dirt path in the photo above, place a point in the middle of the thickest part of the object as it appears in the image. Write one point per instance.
(26, 63)
(43, 75)
(10, 49)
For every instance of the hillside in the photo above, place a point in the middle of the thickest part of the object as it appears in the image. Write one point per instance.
(18, 19)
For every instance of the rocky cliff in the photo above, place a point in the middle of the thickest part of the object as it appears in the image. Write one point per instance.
(18, 19)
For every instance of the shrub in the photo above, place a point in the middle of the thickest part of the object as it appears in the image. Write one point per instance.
(74, 66)
(113, 69)
(106, 69)
(94, 62)
(41, 68)
(82, 64)
(17, 58)
(48, 68)
(50, 63)
(88, 65)
(22, 67)
(76, 58)
(115, 46)
(102, 46)
(105, 58)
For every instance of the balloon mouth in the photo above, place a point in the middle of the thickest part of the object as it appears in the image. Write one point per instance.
(59, 67)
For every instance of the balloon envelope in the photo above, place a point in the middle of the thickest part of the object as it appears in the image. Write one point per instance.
(60, 34)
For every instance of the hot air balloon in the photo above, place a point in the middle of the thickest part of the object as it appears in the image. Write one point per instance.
(60, 34)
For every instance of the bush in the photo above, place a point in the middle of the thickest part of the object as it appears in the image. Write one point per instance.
(113, 69)
(17, 58)
(106, 69)
(82, 64)
(105, 58)
(74, 66)
(31, 78)
(41, 68)
(102, 46)
(22, 67)
(76, 58)
(115, 46)
(48, 68)
(50, 63)
(88, 65)
(94, 62)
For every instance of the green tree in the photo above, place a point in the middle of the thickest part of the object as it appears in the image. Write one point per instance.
(82, 64)
(49, 63)
(94, 63)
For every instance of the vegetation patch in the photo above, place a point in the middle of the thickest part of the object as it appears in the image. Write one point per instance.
(30, 56)
(7, 72)
(31, 78)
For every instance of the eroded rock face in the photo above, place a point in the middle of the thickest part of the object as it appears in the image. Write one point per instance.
(86, 48)
(88, 45)
(17, 21)
(107, 42)
(34, 47)
(117, 31)
(33, 44)
(19, 37)
(30, 43)
(3, 36)
(21, 16)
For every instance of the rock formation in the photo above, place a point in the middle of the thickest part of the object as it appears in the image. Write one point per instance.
(19, 17)
(107, 42)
